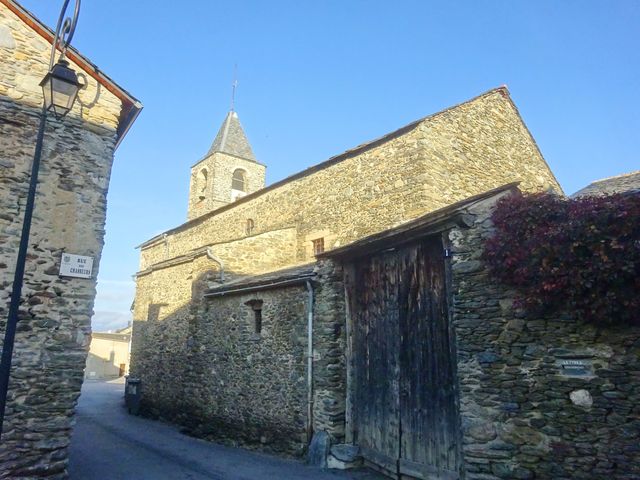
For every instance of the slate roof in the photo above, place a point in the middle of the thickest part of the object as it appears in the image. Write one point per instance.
(287, 276)
(231, 139)
(626, 183)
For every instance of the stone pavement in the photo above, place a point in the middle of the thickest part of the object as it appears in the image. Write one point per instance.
(109, 443)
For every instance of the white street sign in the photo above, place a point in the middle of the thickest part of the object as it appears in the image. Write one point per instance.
(76, 265)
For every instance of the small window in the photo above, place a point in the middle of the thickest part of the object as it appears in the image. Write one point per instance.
(239, 180)
(202, 184)
(257, 321)
(250, 226)
(256, 306)
(318, 246)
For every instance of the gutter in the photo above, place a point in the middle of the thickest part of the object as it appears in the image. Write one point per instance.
(218, 261)
(260, 286)
(125, 123)
(309, 361)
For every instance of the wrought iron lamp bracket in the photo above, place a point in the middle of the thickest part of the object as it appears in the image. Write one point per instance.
(64, 31)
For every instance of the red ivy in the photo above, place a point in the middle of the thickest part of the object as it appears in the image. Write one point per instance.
(579, 255)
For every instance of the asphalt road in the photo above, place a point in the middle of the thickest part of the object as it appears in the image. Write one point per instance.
(110, 444)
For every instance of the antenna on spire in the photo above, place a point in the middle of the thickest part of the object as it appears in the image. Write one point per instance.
(234, 85)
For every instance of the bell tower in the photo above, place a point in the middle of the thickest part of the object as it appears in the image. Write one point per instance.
(227, 172)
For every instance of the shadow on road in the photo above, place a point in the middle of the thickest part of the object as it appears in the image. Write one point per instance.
(108, 443)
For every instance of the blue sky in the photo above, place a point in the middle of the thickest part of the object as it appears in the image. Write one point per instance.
(319, 77)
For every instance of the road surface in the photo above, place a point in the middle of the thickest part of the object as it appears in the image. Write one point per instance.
(110, 444)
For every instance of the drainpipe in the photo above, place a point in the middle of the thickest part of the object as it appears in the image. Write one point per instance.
(218, 261)
(309, 360)
(166, 245)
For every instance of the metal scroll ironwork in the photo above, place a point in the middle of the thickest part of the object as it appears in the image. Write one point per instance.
(64, 31)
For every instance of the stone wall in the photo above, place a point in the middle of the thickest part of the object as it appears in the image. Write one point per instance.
(54, 327)
(217, 192)
(329, 374)
(248, 387)
(232, 384)
(167, 283)
(545, 398)
(462, 151)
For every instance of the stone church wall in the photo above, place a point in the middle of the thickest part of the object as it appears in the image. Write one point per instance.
(54, 327)
(524, 414)
(463, 151)
(447, 157)
(207, 368)
(220, 168)
(166, 285)
(244, 387)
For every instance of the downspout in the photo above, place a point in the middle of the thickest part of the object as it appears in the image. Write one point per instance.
(309, 360)
(218, 261)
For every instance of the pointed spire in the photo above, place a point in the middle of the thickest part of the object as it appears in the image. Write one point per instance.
(231, 139)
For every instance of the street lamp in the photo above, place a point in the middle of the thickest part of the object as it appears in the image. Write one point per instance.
(60, 88)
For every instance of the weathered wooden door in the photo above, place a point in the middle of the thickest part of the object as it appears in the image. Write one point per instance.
(403, 394)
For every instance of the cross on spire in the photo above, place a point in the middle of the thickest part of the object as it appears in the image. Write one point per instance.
(234, 85)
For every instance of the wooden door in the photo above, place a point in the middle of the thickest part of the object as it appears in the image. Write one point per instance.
(376, 350)
(404, 407)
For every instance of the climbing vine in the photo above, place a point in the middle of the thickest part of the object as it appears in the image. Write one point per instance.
(580, 255)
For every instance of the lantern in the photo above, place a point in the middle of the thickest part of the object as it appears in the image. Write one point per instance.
(60, 87)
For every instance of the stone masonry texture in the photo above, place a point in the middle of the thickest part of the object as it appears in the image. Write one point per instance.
(444, 158)
(523, 415)
(54, 321)
(216, 191)
(447, 157)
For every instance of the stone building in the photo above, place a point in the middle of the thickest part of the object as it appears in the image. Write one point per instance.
(240, 333)
(108, 356)
(54, 325)
(628, 183)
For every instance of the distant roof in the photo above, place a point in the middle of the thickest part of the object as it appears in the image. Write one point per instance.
(231, 139)
(131, 107)
(114, 337)
(625, 183)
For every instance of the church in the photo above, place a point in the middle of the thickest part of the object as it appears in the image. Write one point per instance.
(344, 312)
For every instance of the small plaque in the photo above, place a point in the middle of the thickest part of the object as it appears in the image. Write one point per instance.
(76, 266)
(575, 367)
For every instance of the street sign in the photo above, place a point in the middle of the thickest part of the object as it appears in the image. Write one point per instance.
(76, 266)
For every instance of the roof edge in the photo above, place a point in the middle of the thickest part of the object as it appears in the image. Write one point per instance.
(440, 217)
(276, 279)
(209, 155)
(532, 138)
(131, 106)
(324, 164)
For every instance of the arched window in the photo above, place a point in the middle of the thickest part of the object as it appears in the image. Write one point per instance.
(250, 226)
(202, 184)
(239, 180)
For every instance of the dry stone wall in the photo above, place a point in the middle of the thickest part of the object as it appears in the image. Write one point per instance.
(546, 398)
(54, 327)
(329, 368)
